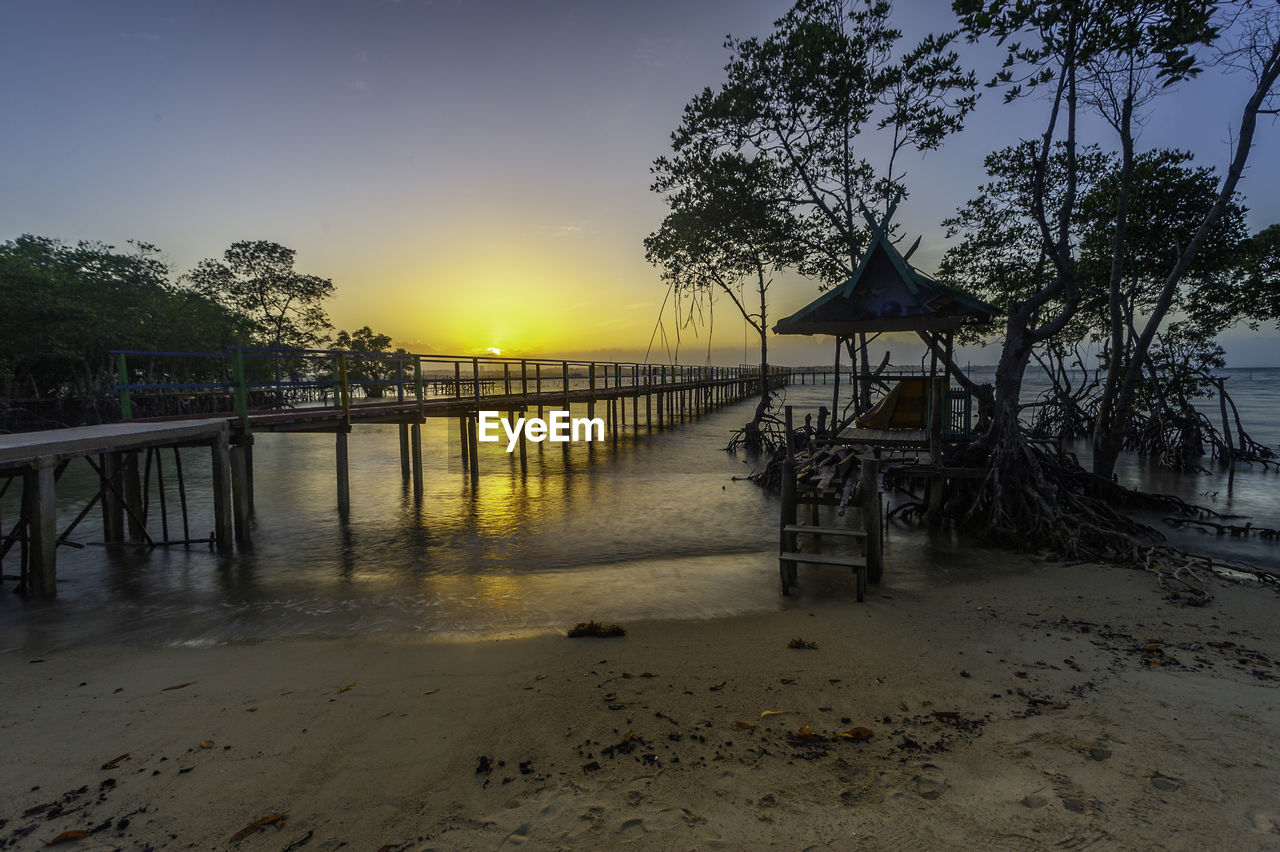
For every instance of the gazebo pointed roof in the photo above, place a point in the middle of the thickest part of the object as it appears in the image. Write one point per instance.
(886, 293)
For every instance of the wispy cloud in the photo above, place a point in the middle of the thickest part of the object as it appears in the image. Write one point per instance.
(358, 86)
(140, 36)
(656, 53)
(563, 231)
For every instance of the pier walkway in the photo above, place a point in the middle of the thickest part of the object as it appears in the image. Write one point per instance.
(219, 401)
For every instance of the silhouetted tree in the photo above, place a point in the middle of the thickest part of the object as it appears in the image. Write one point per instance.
(256, 280)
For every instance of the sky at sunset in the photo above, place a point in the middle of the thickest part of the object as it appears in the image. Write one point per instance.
(470, 174)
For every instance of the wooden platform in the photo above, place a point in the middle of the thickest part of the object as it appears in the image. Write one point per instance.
(884, 437)
(21, 450)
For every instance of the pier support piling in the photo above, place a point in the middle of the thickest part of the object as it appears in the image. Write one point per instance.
(473, 446)
(415, 443)
(133, 498)
(241, 491)
(871, 522)
(112, 508)
(404, 452)
(465, 444)
(221, 465)
(42, 527)
(344, 484)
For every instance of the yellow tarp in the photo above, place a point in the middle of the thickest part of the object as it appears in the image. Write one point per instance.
(903, 407)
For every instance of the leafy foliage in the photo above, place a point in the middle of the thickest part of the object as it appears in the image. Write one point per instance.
(373, 372)
(256, 280)
(800, 98)
(65, 306)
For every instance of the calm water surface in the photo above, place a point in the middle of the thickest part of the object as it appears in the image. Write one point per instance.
(662, 525)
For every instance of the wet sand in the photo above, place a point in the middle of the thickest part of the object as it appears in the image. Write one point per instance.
(1051, 706)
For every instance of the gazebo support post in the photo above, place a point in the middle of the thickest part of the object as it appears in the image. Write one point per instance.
(835, 394)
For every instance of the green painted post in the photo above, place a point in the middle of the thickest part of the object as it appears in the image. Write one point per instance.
(126, 402)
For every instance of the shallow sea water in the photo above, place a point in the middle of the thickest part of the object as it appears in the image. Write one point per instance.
(662, 525)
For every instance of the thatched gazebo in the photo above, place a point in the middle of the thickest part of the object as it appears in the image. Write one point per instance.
(887, 294)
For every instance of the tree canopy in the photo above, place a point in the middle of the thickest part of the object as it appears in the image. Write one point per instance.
(256, 280)
(66, 305)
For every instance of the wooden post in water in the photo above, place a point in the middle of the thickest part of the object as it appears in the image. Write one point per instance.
(133, 497)
(937, 483)
(220, 452)
(404, 452)
(787, 568)
(241, 491)
(42, 526)
(473, 448)
(935, 420)
(591, 386)
(246, 449)
(835, 393)
(871, 517)
(662, 388)
(340, 457)
(415, 445)
(648, 398)
(466, 446)
(112, 508)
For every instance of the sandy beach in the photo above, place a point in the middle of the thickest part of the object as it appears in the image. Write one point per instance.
(1050, 706)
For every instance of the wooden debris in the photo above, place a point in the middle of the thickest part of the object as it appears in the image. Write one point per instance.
(67, 837)
(856, 735)
(257, 824)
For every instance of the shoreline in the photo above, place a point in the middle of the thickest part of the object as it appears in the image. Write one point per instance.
(1045, 705)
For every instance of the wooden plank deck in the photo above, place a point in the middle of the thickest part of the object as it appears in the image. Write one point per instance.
(884, 437)
(21, 449)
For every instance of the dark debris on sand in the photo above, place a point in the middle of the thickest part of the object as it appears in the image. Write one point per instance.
(596, 630)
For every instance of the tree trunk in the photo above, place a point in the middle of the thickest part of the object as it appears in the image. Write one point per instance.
(1111, 439)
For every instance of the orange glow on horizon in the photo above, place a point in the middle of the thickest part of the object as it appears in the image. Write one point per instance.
(516, 293)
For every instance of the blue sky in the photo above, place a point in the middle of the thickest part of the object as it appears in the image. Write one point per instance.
(469, 173)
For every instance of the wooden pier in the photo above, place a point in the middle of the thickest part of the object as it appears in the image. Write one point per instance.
(314, 391)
